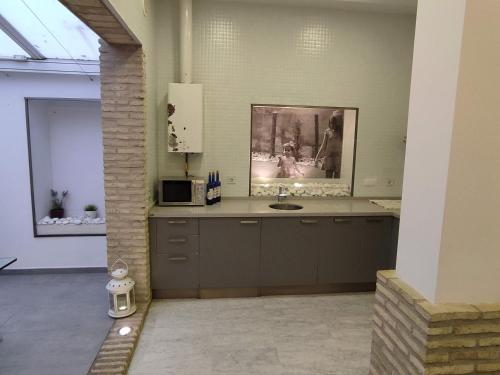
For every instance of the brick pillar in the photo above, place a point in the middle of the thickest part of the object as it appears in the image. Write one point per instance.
(413, 336)
(125, 172)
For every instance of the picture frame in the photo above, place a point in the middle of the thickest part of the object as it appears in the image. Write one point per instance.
(309, 150)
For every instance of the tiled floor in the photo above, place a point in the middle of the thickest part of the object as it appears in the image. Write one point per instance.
(293, 335)
(51, 324)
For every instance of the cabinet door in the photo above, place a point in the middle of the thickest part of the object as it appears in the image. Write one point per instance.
(344, 260)
(289, 250)
(360, 246)
(174, 254)
(377, 242)
(394, 244)
(229, 252)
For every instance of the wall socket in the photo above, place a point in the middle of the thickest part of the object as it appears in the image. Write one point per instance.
(231, 180)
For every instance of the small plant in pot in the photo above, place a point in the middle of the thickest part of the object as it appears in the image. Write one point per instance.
(91, 211)
(57, 211)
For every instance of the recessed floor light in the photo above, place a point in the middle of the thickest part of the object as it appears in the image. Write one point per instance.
(124, 331)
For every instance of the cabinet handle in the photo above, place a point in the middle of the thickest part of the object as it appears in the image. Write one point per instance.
(374, 220)
(177, 240)
(178, 259)
(248, 222)
(177, 222)
(304, 221)
(339, 220)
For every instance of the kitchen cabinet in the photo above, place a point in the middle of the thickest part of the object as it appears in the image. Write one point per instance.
(229, 252)
(394, 244)
(290, 248)
(207, 254)
(174, 248)
(359, 247)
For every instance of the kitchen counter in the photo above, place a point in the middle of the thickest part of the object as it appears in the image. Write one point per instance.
(256, 207)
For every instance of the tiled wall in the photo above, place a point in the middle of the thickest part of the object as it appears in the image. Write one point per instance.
(246, 53)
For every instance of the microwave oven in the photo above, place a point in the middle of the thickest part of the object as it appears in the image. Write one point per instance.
(181, 191)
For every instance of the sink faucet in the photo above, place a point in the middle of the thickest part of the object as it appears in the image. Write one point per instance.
(281, 194)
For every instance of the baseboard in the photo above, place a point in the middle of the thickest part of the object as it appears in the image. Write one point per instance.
(43, 271)
(229, 292)
(263, 291)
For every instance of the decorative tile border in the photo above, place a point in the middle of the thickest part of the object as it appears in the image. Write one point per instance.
(301, 189)
(116, 352)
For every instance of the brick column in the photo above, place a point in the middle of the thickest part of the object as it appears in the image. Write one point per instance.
(125, 172)
(414, 336)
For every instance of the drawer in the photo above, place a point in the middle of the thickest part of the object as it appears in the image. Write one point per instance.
(175, 270)
(176, 226)
(182, 243)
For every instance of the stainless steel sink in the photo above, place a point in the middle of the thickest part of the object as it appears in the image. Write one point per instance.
(285, 206)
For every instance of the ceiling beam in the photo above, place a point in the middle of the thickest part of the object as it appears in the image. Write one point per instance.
(102, 18)
(21, 41)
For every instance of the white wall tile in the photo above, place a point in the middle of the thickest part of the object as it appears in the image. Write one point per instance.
(246, 53)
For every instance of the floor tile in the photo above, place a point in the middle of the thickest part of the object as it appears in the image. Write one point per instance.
(279, 335)
(51, 324)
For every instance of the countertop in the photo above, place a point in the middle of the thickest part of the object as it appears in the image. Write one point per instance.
(257, 207)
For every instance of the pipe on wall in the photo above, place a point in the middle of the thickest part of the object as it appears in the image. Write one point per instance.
(186, 39)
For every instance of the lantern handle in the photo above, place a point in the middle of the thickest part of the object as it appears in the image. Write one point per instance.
(118, 261)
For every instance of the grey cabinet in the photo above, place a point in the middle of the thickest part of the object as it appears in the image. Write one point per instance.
(377, 240)
(174, 254)
(290, 248)
(394, 244)
(219, 253)
(229, 252)
(360, 246)
(343, 261)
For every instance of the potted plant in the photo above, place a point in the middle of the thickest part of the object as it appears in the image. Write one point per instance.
(57, 211)
(91, 211)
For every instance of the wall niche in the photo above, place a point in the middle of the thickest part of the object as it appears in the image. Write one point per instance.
(66, 154)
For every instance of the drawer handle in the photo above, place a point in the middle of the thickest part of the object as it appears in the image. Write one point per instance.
(177, 240)
(178, 259)
(304, 221)
(248, 222)
(339, 220)
(177, 222)
(374, 220)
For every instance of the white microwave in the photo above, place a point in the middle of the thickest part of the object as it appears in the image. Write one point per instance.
(181, 191)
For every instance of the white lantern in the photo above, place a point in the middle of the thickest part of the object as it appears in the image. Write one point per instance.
(121, 292)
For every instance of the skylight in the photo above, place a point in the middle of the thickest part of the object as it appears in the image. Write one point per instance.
(9, 48)
(48, 26)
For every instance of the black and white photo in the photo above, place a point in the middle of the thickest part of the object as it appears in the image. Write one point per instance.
(302, 142)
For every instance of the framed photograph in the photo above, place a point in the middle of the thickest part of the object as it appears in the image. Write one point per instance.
(309, 150)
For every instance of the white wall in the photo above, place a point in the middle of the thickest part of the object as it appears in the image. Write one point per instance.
(41, 164)
(16, 230)
(76, 154)
(436, 61)
(253, 53)
(469, 263)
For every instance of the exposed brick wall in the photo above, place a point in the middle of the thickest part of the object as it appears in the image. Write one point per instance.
(116, 351)
(413, 336)
(125, 172)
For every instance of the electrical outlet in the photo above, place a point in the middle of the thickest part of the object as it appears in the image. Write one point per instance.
(231, 180)
(370, 181)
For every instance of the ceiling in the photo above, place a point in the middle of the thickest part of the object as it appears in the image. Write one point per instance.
(41, 29)
(383, 6)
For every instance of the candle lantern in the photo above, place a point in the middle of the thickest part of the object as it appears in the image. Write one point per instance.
(121, 292)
